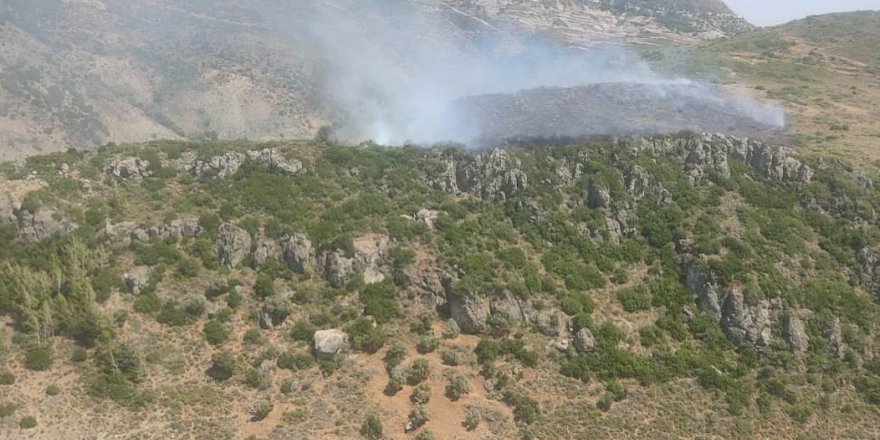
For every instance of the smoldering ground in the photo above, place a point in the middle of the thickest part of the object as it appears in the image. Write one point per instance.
(408, 72)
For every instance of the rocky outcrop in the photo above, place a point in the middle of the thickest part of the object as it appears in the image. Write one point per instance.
(298, 253)
(795, 333)
(233, 244)
(136, 279)
(128, 168)
(265, 250)
(338, 268)
(328, 343)
(229, 163)
(706, 154)
(371, 256)
(599, 196)
(834, 339)
(468, 310)
(584, 341)
(490, 174)
(43, 225)
(742, 323)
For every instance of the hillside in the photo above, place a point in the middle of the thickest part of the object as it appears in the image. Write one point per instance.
(688, 286)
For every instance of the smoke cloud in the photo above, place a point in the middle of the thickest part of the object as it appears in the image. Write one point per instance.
(396, 71)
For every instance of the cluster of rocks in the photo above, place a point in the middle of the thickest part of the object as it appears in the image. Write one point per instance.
(42, 225)
(183, 227)
(229, 163)
(752, 324)
(222, 165)
(705, 154)
(742, 323)
(129, 168)
(491, 174)
(369, 256)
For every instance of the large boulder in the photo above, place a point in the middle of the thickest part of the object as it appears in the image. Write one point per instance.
(328, 343)
(233, 244)
(265, 250)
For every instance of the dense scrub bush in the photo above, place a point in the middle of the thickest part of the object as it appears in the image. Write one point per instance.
(417, 417)
(264, 287)
(427, 344)
(27, 422)
(395, 356)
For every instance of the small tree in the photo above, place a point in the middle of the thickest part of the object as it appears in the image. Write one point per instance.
(472, 418)
(216, 333)
(451, 330)
(427, 344)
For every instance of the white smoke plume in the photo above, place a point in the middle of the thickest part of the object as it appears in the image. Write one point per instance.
(395, 70)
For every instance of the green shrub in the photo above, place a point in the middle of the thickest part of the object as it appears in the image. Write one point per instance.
(174, 315)
(472, 418)
(380, 301)
(421, 394)
(427, 344)
(605, 402)
(38, 358)
(264, 287)
(253, 336)
(425, 435)
(7, 409)
(418, 372)
(278, 309)
(450, 358)
(79, 355)
(261, 410)
(457, 386)
(394, 356)
(364, 336)
(451, 329)
(371, 428)
(53, 390)
(6, 378)
(27, 422)
(257, 379)
(634, 300)
(222, 367)
(417, 417)
(295, 361)
(216, 333)
(302, 331)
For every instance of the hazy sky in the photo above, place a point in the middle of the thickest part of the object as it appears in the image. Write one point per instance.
(770, 12)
